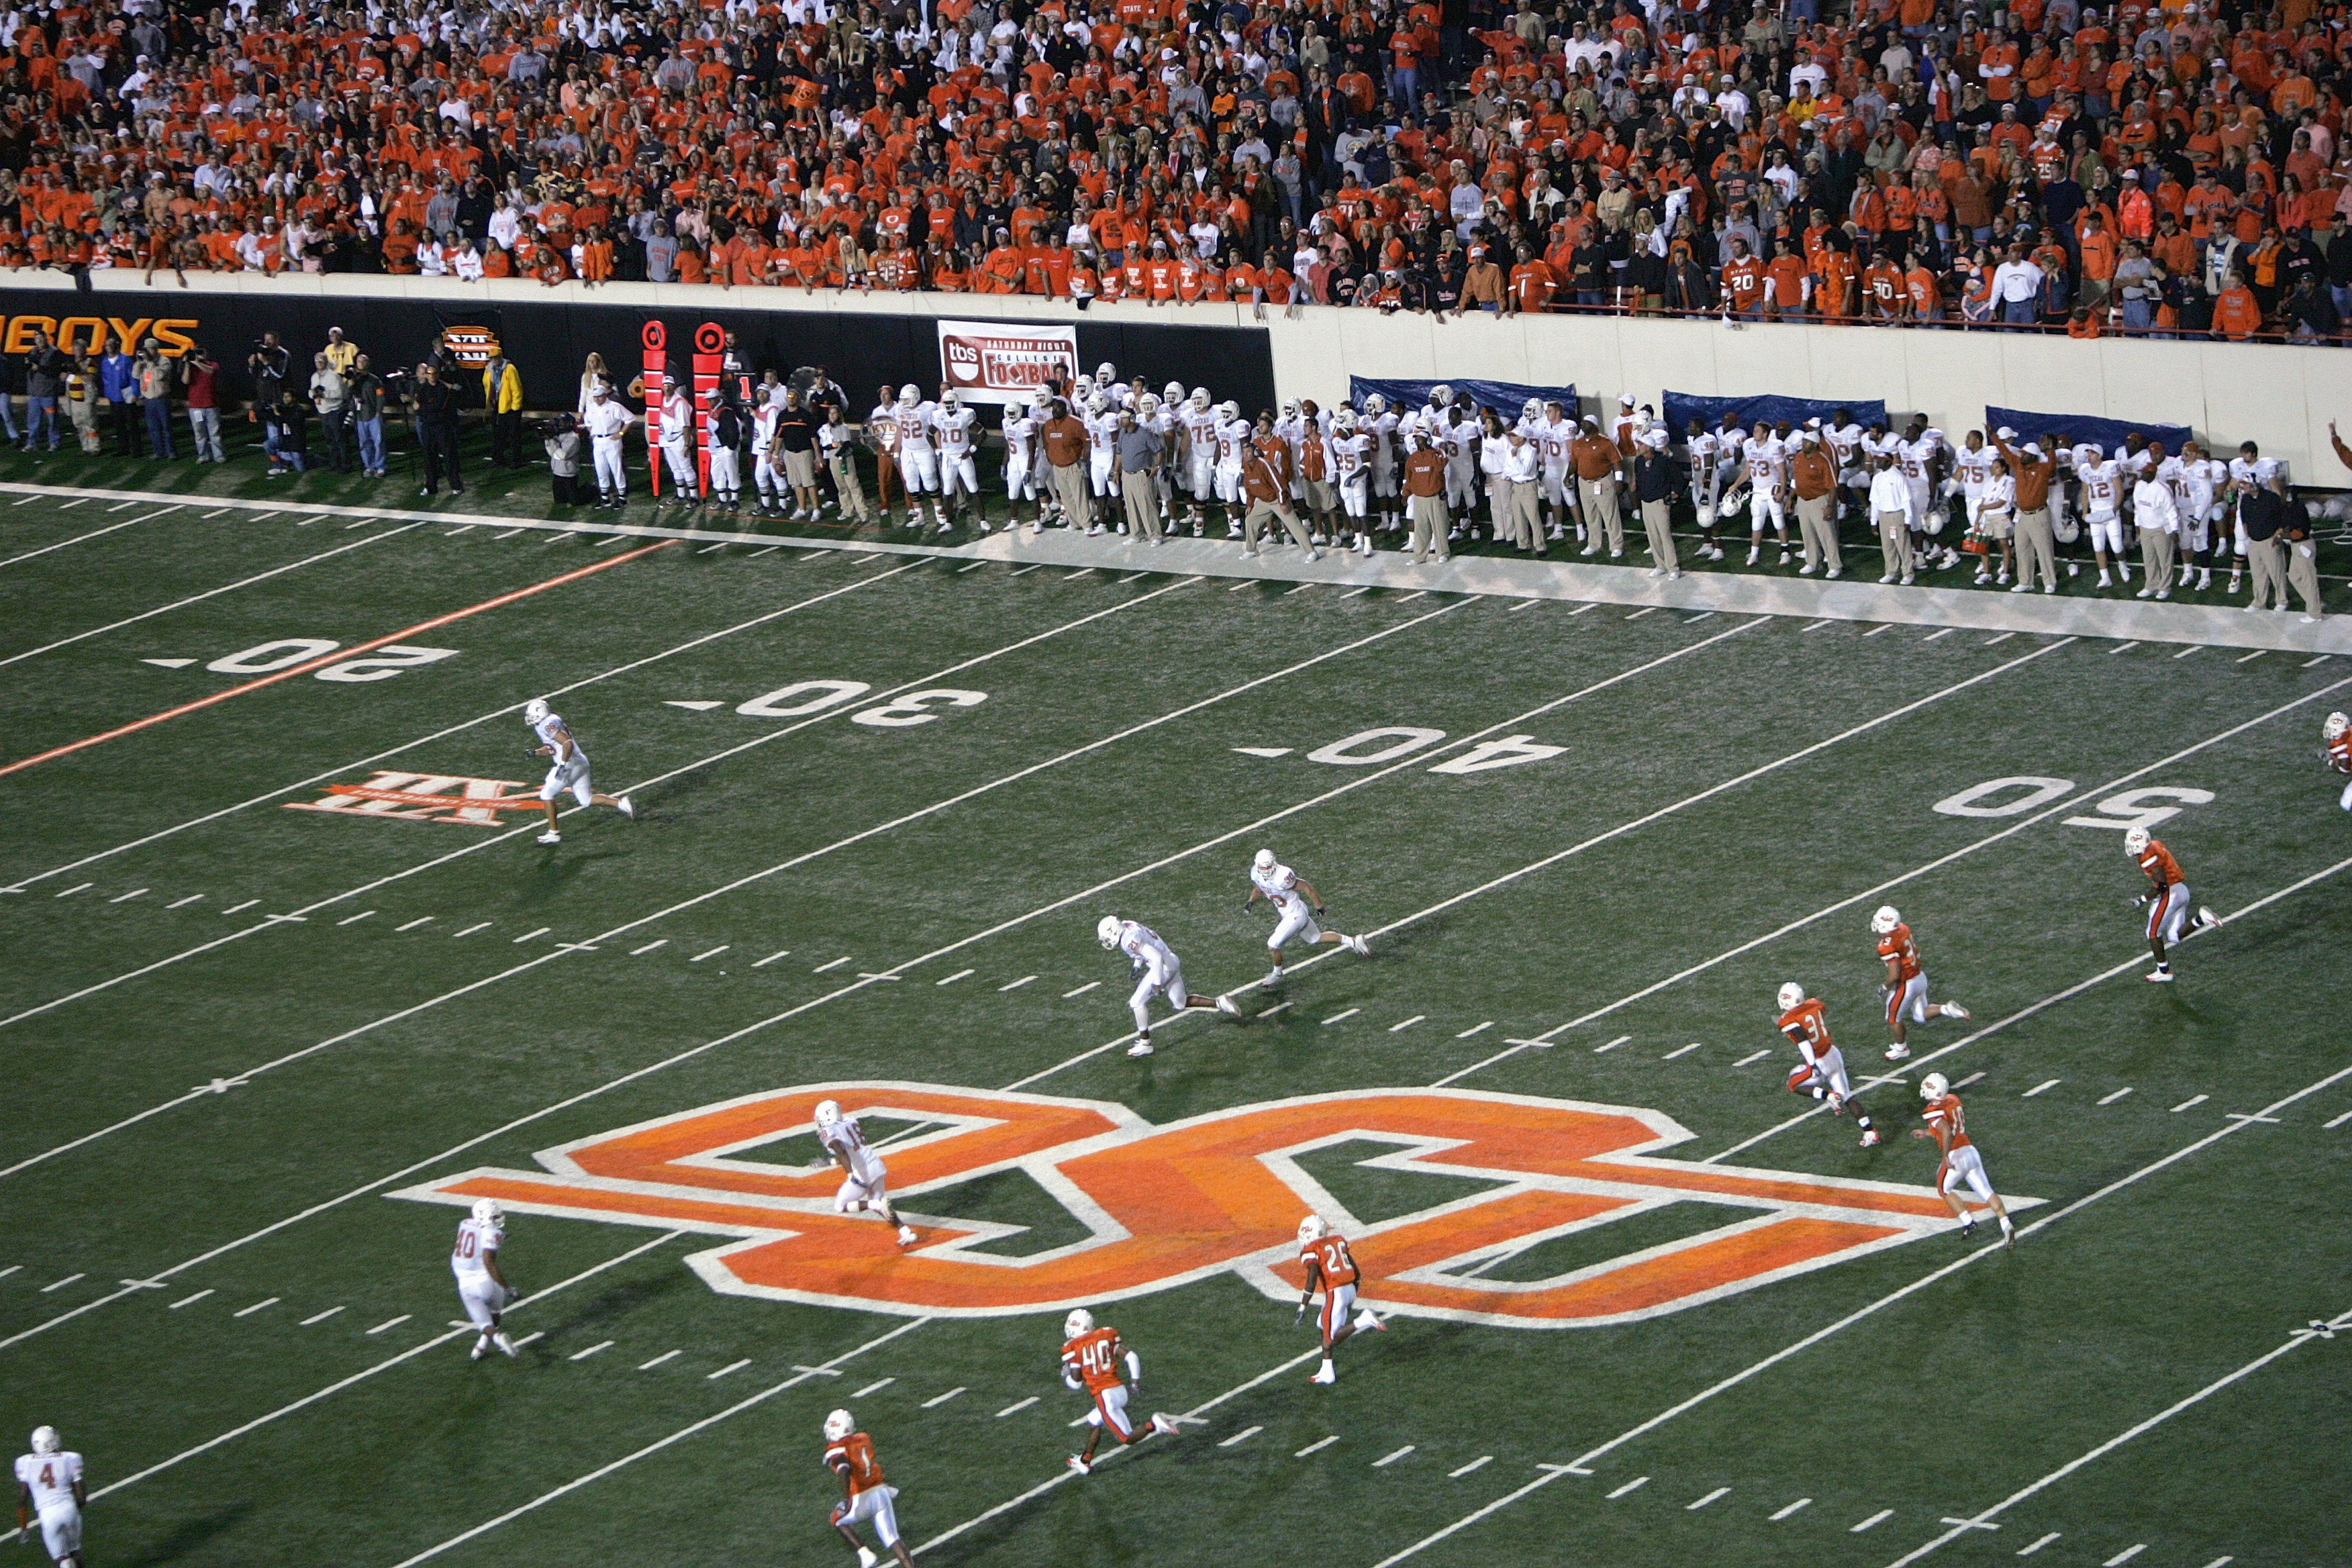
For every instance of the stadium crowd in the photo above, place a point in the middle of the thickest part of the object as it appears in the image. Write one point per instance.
(2172, 169)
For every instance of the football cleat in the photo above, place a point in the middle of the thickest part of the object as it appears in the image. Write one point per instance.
(1078, 1463)
(550, 837)
(1897, 1051)
(865, 1558)
(1954, 1010)
(481, 1347)
(628, 808)
(1163, 1425)
(2008, 1232)
(2205, 917)
(1141, 1048)
(907, 1236)
(1969, 1228)
(1326, 1375)
(1359, 947)
(1272, 980)
(1870, 1140)
(1369, 1320)
(504, 1343)
(1225, 1005)
(839, 1424)
(2158, 976)
(1837, 1103)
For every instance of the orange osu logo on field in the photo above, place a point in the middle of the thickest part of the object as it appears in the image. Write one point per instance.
(425, 797)
(1211, 1195)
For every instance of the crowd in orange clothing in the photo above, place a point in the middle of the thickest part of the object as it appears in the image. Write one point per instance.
(2168, 168)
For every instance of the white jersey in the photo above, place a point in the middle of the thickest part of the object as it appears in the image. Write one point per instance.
(952, 429)
(763, 427)
(846, 1141)
(1199, 432)
(1878, 445)
(1381, 428)
(882, 427)
(1914, 457)
(50, 1478)
(2258, 472)
(1973, 470)
(1350, 455)
(1102, 436)
(1552, 437)
(2135, 466)
(2192, 489)
(476, 1239)
(915, 427)
(1142, 944)
(1767, 461)
(1280, 887)
(676, 420)
(552, 732)
(1232, 440)
(1019, 435)
(1845, 440)
(2102, 490)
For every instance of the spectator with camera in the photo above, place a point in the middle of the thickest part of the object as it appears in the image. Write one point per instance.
(330, 395)
(560, 436)
(366, 397)
(200, 372)
(45, 374)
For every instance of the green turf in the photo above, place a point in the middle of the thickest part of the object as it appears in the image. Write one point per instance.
(381, 1057)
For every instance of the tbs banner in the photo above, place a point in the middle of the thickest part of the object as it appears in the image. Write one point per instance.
(1002, 361)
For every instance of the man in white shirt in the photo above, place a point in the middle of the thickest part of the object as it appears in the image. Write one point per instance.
(2158, 518)
(607, 420)
(2017, 289)
(2102, 499)
(1523, 472)
(1897, 513)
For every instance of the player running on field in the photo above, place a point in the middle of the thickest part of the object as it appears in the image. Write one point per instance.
(1297, 903)
(1331, 1268)
(49, 1486)
(1904, 990)
(1962, 1165)
(866, 1183)
(866, 1498)
(1091, 1358)
(2338, 734)
(1822, 1074)
(483, 1290)
(567, 767)
(2169, 919)
(1157, 971)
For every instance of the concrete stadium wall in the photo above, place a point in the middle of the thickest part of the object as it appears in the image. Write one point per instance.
(2279, 395)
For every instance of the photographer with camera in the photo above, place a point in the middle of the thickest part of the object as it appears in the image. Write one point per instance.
(330, 395)
(560, 436)
(434, 405)
(200, 372)
(366, 399)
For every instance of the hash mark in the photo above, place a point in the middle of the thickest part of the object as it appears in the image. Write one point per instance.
(1026, 570)
(1131, 577)
(1636, 1484)
(1881, 1517)
(528, 934)
(2254, 656)
(244, 1312)
(592, 1350)
(1680, 1051)
(731, 1367)
(2030, 1551)
(1523, 604)
(2125, 1556)
(1639, 613)
(510, 534)
(1408, 1023)
(2184, 653)
(2117, 1095)
(1320, 1443)
(12, 1268)
(354, 920)
(1234, 589)
(1482, 1460)
(1582, 609)
(1083, 571)
(780, 952)
(1269, 1011)
(531, 1338)
(874, 1388)
(714, 952)
(1300, 589)
(1355, 594)
(420, 920)
(246, 905)
(319, 1317)
(190, 1300)
(1408, 598)
(391, 1323)
(1719, 1491)
(1752, 1056)
(478, 925)
(1798, 1506)
(2328, 1126)
(753, 556)
(1611, 1044)
(2201, 1098)
(191, 898)
(1082, 990)
(129, 896)
(62, 1283)
(1967, 1081)
(1817, 626)
(836, 963)
(1696, 618)
(1887, 628)
(1336, 1017)
(1475, 1029)
(2126, 648)
(951, 1393)
(1384, 1462)
(634, 952)
(951, 979)
(960, 571)
(1931, 636)
(2306, 665)
(86, 886)
(1018, 983)
(2004, 638)
(665, 1355)
(455, 532)
(1024, 1404)
(2037, 1089)
(1244, 1436)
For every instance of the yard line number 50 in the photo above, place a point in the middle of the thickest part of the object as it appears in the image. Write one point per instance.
(2015, 796)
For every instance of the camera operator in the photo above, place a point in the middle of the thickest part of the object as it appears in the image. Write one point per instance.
(434, 405)
(267, 365)
(366, 399)
(560, 436)
(200, 372)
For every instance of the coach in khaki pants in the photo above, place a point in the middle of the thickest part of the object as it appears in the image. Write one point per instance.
(2261, 520)
(1812, 473)
(1895, 511)
(1424, 488)
(1654, 489)
(2302, 560)
(1596, 459)
(1066, 460)
(2037, 546)
(1269, 501)
(1140, 452)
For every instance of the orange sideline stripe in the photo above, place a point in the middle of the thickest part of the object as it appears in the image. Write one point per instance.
(324, 659)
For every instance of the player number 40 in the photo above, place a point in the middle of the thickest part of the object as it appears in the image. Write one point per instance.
(2015, 796)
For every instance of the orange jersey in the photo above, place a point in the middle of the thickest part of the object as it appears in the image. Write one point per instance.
(1946, 1120)
(2161, 867)
(852, 1457)
(1897, 946)
(1808, 1024)
(2340, 753)
(1331, 1259)
(1094, 1356)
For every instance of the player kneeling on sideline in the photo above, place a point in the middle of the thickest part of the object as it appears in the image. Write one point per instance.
(1331, 1269)
(49, 1486)
(2338, 734)
(1904, 989)
(1156, 970)
(1291, 896)
(567, 768)
(1090, 1361)
(2166, 902)
(866, 1183)
(1822, 1074)
(866, 1498)
(483, 1290)
(1962, 1164)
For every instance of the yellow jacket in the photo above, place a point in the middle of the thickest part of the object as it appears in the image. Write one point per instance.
(504, 396)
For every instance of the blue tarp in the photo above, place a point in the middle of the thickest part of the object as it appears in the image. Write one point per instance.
(1682, 407)
(2107, 433)
(1505, 397)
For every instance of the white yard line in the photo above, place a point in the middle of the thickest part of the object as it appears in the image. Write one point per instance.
(207, 594)
(76, 539)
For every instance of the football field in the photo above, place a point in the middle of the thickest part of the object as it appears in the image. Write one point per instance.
(272, 1030)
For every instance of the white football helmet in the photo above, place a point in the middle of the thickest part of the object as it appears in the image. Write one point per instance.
(1199, 399)
(45, 1439)
(1078, 1322)
(1264, 862)
(535, 711)
(1312, 1228)
(2335, 726)
(1290, 410)
(950, 399)
(1440, 395)
(486, 1210)
(1229, 411)
(839, 1424)
(1098, 406)
(1531, 410)
(1344, 420)
(910, 397)
(1934, 1087)
(1105, 371)
(1147, 405)
(1790, 995)
(827, 1114)
(1106, 933)
(1884, 922)
(1084, 387)
(1376, 406)
(2136, 842)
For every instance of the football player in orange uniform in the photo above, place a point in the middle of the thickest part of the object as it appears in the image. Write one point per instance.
(2167, 901)
(1331, 1269)
(1091, 1358)
(1962, 1165)
(2338, 734)
(1822, 1073)
(866, 1498)
(1904, 989)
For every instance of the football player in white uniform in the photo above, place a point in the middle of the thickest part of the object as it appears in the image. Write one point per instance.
(866, 1183)
(567, 768)
(951, 426)
(1768, 491)
(1381, 425)
(1199, 422)
(2103, 499)
(677, 445)
(1234, 433)
(1157, 971)
(1351, 451)
(1296, 902)
(484, 1291)
(49, 1486)
(1102, 460)
(919, 460)
(1020, 426)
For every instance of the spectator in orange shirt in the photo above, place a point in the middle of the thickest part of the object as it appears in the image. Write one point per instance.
(1743, 282)
(1787, 287)
(2098, 260)
(1882, 291)
(2237, 316)
(1532, 284)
